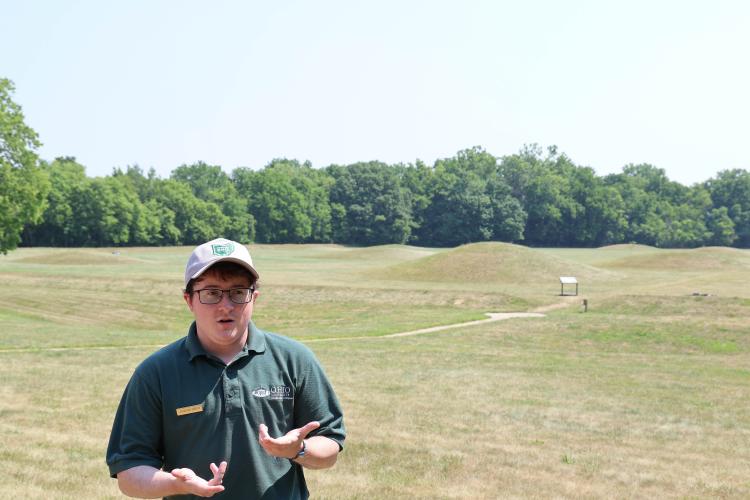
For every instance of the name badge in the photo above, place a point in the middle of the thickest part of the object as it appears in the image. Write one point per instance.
(187, 410)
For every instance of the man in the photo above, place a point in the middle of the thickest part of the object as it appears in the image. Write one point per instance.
(229, 408)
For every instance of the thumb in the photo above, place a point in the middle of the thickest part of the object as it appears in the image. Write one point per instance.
(308, 428)
(181, 474)
(263, 434)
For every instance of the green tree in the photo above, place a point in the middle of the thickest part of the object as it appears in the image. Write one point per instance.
(416, 179)
(105, 212)
(155, 221)
(210, 184)
(194, 220)
(460, 210)
(721, 227)
(508, 216)
(594, 214)
(145, 228)
(142, 183)
(661, 212)
(58, 225)
(23, 184)
(469, 201)
(114, 211)
(289, 201)
(368, 204)
(731, 189)
(169, 233)
(683, 227)
(544, 193)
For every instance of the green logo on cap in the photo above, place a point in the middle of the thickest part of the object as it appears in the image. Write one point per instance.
(223, 250)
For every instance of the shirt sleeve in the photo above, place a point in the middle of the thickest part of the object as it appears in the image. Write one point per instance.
(136, 437)
(315, 400)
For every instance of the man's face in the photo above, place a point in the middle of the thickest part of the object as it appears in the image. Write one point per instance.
(222, 327)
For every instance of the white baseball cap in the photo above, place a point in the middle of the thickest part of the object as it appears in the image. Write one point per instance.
(218, 250)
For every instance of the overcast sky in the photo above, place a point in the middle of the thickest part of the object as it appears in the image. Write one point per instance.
(238, 83)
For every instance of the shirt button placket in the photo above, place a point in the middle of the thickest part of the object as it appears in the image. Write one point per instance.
(231, 391)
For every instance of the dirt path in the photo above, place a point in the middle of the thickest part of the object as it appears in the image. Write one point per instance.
(491, 317)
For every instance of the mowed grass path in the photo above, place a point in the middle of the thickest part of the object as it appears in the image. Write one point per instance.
(644, 396)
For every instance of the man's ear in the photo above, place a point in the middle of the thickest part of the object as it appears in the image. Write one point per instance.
(256, 294)
(188, 299)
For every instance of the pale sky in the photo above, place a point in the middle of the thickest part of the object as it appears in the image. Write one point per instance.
(238, 83)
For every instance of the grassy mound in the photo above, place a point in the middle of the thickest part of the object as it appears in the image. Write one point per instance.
(382, 253)
(627, 247)
(490, 262)
(77, 257)
(699, 259)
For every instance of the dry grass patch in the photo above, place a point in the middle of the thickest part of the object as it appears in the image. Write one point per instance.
(496, 418)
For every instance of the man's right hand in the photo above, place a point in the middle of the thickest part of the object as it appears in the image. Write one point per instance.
(196, 485)
(146, 481)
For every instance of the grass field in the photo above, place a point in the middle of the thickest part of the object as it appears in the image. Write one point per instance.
(643, 396)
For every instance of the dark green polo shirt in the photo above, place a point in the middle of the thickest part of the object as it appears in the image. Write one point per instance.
(185, 408)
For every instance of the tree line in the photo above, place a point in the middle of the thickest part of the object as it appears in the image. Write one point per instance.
(535, 197)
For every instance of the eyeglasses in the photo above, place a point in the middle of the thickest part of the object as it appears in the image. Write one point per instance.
(214, 295)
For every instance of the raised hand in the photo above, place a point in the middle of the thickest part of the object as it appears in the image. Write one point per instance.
(196, 485)
(288, 445)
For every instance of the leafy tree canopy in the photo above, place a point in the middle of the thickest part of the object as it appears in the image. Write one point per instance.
(23, 184)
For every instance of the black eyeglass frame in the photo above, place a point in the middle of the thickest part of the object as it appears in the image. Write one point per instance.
(251, 289)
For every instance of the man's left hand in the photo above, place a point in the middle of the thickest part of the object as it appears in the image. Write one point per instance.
(288, 445)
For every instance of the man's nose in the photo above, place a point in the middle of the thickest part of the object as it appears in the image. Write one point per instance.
(226, 302)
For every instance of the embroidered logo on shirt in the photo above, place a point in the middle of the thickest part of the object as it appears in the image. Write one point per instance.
(276, 392)
(187, 410)
(281, 392)
(261, 392)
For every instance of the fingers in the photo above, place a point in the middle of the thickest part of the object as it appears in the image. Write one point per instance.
(291, 436)
(217, 477)
(267, 441)
(218, 473)
(209, 491)
(287, 445)
(307, 429)
(274, 447)
(199, 486)
(265, 438)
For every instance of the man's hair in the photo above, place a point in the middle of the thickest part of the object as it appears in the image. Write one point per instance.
(225, 270)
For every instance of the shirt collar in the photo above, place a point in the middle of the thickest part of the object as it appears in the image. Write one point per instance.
(192, 343)
(256, 339)
(256, 342)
